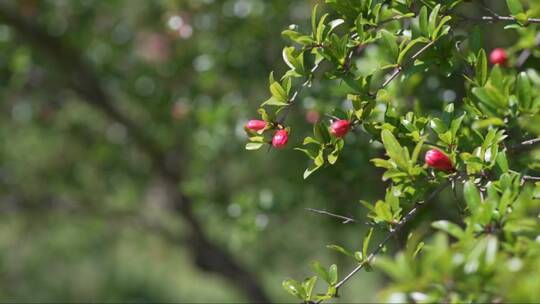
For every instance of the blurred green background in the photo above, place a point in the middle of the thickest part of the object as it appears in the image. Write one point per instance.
(123, 174)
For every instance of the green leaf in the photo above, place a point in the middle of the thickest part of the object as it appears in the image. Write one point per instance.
(492, 247)
(438, 126)
(358, 256)
(433, 19)
(423, 22)
(481, 68)
(321, 271)
(321, 132)
(392, 174)
(334, 155)
(491, 97)
(437, 32)
(393, 149)
(486, 123)
(514, 6)
(408, 47)
(272, 101)
(476, 39)
(296, 63)
(367, 205)
(254, 146)
(310, 171)
(294, 288)
(502, 162)
(418, 249)
(359, 27)
(416, 151)
(382, 212)
(339, 249)
(524, 91)
(298, 37)
(472, 196)
(335, 23)
(365, 243)
(382, 163)
(319, 160)
(455, 126)
(308, 286)
(449, 227)
(333, 274)
(320, 29)
(314, 18)
(278, 92)
(390, 45)
(309, 152)
(271, 79)
(310, 140)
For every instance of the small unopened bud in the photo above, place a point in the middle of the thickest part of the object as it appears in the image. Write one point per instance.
(280, 139)
(256, 125)
(498, 56)
(438, 160)
(339, 128)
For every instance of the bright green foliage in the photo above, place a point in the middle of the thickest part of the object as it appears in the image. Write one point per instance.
(489, 131)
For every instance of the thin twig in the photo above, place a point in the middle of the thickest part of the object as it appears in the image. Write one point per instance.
(525, 54)
(399, 68)
(487, 9)
(530, 142)
(409, 216)
(461, 211)
(286, 111)
(524, 145)
(345, 219)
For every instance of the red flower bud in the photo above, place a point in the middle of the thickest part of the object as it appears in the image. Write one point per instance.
(256, 125)
(438, 160)
(339, 128)
(280, 139)
(498, 56)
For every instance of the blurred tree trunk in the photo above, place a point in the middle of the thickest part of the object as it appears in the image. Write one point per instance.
(80, 77)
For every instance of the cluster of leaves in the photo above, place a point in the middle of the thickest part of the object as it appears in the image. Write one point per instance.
(498, 111)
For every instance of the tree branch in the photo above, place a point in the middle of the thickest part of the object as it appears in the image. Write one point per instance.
(531, 178)
(82, 78)
(408, 217)
(497, 18)
(399, 68)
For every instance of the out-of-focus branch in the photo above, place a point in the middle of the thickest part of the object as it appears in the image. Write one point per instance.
(490, 19)
(81, 77)
(525, 54)
(524, 146)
